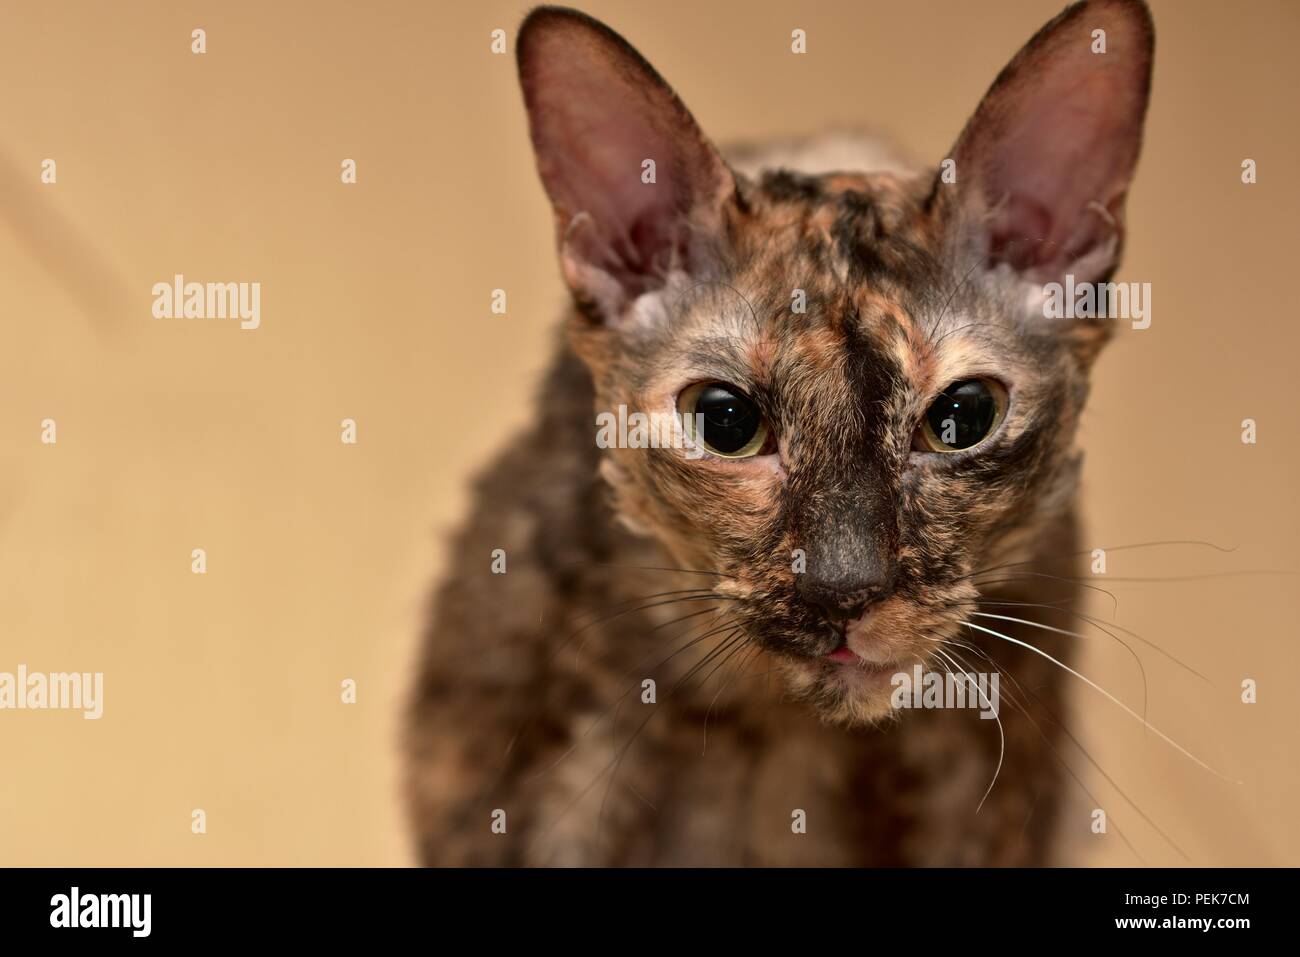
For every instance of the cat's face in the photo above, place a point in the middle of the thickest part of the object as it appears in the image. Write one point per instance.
(875, 407)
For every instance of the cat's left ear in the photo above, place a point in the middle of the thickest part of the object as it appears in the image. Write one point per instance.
(1043, 167)
(638, 191)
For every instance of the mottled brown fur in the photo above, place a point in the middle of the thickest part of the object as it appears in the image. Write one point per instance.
(529, 696)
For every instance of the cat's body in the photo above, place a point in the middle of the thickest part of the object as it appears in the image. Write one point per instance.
(650, 680)
(508, 715)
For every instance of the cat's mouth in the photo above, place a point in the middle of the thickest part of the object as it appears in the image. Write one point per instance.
(846, 688)
(853, 681)
(865, 643)
(845, 657)
(849, 670)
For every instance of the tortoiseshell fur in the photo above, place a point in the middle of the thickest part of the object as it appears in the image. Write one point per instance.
(508, 715)
(530, 690)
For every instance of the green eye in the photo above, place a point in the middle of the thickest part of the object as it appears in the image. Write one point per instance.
(963, 416)
(731, 424)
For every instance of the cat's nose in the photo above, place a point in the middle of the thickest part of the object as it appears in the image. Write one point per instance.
(849, 541)
(843, 601)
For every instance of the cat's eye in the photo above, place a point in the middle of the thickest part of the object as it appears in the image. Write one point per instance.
(724, 420)
(963, 416)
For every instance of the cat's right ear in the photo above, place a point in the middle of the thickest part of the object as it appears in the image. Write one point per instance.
(638, 191)
(1044, 165)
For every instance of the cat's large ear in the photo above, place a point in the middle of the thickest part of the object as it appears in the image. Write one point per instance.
(638, 191)
(1043, 166)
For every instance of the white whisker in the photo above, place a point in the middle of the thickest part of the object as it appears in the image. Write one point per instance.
(1002, 737)
(1034, 624)
(1096, 687)
(1077, 634)
(1103, 625)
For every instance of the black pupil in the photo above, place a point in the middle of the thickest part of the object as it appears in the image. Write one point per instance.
(963, 414)
(730, 420)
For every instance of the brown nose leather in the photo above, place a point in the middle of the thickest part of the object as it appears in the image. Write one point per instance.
(842, 601)
(849, 541)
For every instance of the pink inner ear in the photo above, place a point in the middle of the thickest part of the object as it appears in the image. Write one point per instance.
(1052, 147)
(597, 112)
(1073, 148)
(598, 171)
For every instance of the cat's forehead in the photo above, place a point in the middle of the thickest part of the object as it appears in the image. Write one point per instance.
(835, 269)
(837, 244)
(849, 223)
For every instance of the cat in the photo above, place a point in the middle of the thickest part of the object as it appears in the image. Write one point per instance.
(644, 656)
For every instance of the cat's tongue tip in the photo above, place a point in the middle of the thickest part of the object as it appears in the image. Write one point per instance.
(843, 653)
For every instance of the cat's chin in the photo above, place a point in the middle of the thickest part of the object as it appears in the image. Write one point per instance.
(847, 692)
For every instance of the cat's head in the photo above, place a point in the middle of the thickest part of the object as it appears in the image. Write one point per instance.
(885, 408)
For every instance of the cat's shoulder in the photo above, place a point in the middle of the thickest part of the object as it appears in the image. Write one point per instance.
(831, 152)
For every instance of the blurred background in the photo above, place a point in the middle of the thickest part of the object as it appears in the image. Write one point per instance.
(222, 691)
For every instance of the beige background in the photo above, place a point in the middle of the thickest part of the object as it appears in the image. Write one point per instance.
(223, 690)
